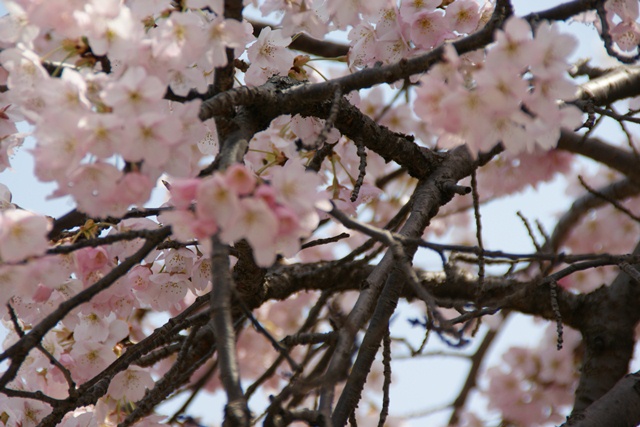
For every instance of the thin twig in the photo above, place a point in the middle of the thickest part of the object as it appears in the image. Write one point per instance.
(476, 214)
(362, 170)
(613, 202)
(386, 362)
(553, 293)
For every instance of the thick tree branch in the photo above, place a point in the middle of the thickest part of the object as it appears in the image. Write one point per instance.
(620, 406)
(619, 83)
(237, 412)
(616, 158)
(609, 337)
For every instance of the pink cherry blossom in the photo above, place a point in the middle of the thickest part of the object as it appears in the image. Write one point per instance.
(503, 89)
(133, 188)
(223, 33)
(217, 201)
(215, 5)
(182, 81)
(91, 327)
(289, 231)
(295, 186)
(124, 249)
(150, 138)
(103, 133)
(391, 47)
(89, 358)
(183, 192)
(363, 45)
(91, 181)
(24, 412)
(463, 15)
(182, 224)
(410, 9)
(15, 26)
(108, 34)
(200, 275)
(10, 275)
(24, 68)
(180, 38)
(78, 418)
(307, 21)
(8, 144)
(429, 29)
(626, 34)
(164, 291)
(513, 45)
(625, 9)
(308, 129)
(429, 98)
(90, 79)
(259, 225)
(90, 260)
(130, 384)
(269, 56)
(68, 92)
(134, 92)
(240, 179)
(552, 48)
(22, 234)
(179, 261)
(138, 277)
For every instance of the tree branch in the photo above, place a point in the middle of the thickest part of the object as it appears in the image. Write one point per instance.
(237, 412)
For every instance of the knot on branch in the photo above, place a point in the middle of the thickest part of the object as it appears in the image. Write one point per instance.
(450, 188)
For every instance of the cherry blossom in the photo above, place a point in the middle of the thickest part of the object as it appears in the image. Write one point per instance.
(22, 234)
(110, 29)
(224, 33)
(626, 9)
(23, 66)
(429, 29)
(513, 45)
(130, 384)
(89, 358)
(410, 9)
(15, 27)
(626, 35)
(181, 37)
(24, 412)
(217, 201)
(134, 92)
(463, 15)
(268, 56)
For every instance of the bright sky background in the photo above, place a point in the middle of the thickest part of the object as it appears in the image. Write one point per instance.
(419, 384)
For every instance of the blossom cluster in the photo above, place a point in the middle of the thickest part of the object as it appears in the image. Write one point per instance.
(272, 217)
(511, 97)
(533, 384)
(91, 337)
(622, 16)
(104, 133)
(411, 29)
